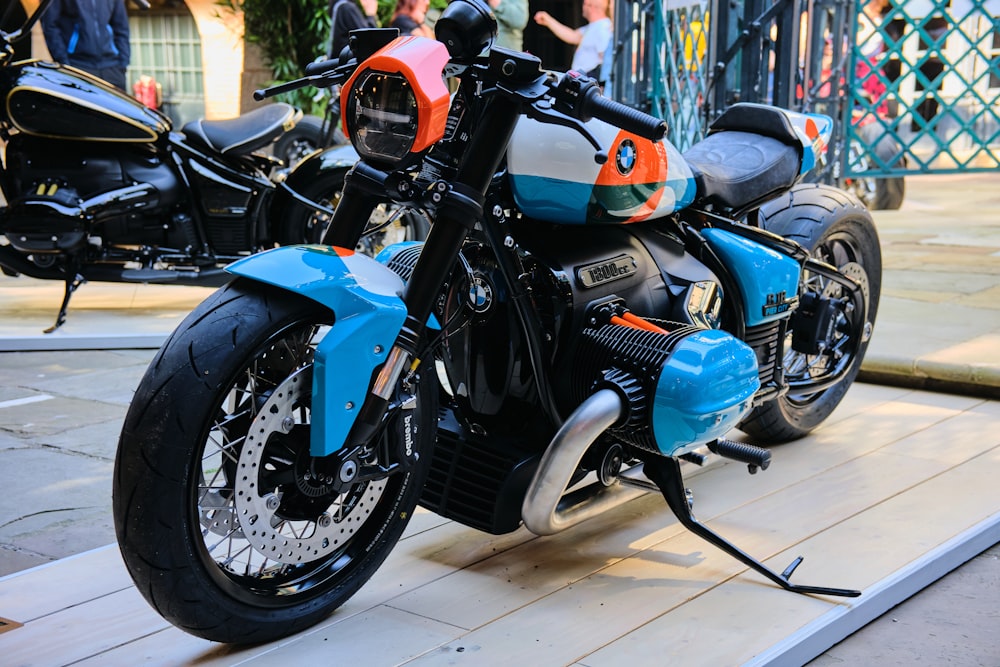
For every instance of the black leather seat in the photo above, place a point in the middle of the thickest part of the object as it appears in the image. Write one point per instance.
(247, 133)
(751, 152)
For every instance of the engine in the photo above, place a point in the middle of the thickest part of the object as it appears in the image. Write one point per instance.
(573, 273)
(681, 388)
(66, 193)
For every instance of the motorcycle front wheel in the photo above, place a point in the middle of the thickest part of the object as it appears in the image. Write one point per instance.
(388, 223)
(837, 229)
(229, 528)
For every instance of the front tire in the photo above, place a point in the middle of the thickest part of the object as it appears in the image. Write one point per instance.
(227, 525)
(300, 142)
(837, 229)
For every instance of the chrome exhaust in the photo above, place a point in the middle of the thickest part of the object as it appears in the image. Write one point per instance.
(547, 508)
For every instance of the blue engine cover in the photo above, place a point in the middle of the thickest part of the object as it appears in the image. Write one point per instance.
(768, 280)
(705, 388)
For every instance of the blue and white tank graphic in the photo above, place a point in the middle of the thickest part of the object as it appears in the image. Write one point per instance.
(554, 176)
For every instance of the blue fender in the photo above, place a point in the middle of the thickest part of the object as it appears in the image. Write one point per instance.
(364, 296)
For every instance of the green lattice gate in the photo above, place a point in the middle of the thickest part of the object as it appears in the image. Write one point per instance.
(935, 72)
(916, 91)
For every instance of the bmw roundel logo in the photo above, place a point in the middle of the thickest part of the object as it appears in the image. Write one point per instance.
(625, 157)
(480, 295)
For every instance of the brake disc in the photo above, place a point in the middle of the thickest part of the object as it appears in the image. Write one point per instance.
(258, 509)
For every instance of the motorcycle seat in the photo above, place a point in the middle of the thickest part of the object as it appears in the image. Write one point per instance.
(735, 169)
(245, 134)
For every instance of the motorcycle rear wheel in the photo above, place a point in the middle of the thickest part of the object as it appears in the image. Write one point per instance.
(223, 522)
(836, 228)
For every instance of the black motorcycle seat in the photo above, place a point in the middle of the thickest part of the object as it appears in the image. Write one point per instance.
(247, 133)
(759, 119)
(734, 169)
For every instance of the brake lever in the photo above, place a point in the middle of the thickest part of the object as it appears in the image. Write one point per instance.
(542, 111)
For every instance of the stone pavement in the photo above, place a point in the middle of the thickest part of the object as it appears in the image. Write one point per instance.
(938, 325)
(938, 328)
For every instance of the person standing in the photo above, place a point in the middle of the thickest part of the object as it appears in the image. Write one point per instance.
(512, 16)
(409, 18)
(345, 16)
(591, 40)
(92, 35)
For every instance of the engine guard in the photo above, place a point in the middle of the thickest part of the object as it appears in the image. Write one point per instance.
(364, 296)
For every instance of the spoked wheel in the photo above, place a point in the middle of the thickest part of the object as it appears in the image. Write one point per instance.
(300, 142)
(827, 337)
(388, 223)
(229, 527)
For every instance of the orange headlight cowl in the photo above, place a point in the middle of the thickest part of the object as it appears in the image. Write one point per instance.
(421, 62)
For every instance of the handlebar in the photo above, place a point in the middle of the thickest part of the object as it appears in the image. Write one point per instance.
(595, 105)
(581, 97)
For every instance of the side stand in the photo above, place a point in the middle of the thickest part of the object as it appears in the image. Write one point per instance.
(666, 473)
(71, 285)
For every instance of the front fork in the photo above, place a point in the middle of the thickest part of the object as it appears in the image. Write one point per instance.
(459, 209)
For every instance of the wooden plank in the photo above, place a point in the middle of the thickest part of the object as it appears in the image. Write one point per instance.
(565, 598)
(742, 618)
(80, 631)
(43, 590)
(632, 592)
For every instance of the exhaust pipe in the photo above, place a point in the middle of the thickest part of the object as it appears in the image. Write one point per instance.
(546, 510)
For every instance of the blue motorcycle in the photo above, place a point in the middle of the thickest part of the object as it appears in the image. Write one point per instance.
(589, 304)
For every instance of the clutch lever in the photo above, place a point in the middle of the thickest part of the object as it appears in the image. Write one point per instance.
(324, 80)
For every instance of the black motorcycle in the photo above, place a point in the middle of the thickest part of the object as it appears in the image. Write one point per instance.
(99, 187)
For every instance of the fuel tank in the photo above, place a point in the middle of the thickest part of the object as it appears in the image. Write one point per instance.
(55, 101)
(554, 175)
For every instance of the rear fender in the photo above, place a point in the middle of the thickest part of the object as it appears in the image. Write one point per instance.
(364, 296)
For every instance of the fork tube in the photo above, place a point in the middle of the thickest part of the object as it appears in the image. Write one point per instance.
(460, 209)
(364, 189)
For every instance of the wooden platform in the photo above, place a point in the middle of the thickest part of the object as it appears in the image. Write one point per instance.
(897, 489)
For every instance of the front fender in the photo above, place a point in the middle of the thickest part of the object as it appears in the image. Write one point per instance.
(364, 296)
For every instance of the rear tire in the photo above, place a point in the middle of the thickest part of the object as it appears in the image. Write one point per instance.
(836, 228)
(227, 525)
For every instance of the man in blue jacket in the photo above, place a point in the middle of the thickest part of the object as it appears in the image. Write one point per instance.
(91, 35)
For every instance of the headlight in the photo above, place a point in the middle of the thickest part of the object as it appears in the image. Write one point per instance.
(382, 116)
(396, 103)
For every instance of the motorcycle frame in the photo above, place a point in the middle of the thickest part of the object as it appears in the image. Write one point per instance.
(462, 208)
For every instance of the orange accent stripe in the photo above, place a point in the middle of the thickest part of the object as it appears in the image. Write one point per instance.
(623, 323)
(640, 323)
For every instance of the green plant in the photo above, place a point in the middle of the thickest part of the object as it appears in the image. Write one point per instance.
(293, 33)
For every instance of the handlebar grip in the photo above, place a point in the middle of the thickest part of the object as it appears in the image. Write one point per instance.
(321, 66)
(595, 105)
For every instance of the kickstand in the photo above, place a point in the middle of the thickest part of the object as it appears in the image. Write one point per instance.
(71, 285)
(666, 473)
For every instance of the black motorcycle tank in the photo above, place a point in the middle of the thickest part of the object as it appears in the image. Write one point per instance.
(50, 100)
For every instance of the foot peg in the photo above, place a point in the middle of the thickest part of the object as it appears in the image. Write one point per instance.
(754, 456)
(666, 473)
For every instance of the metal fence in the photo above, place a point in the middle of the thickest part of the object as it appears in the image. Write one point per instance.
(921, 75)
